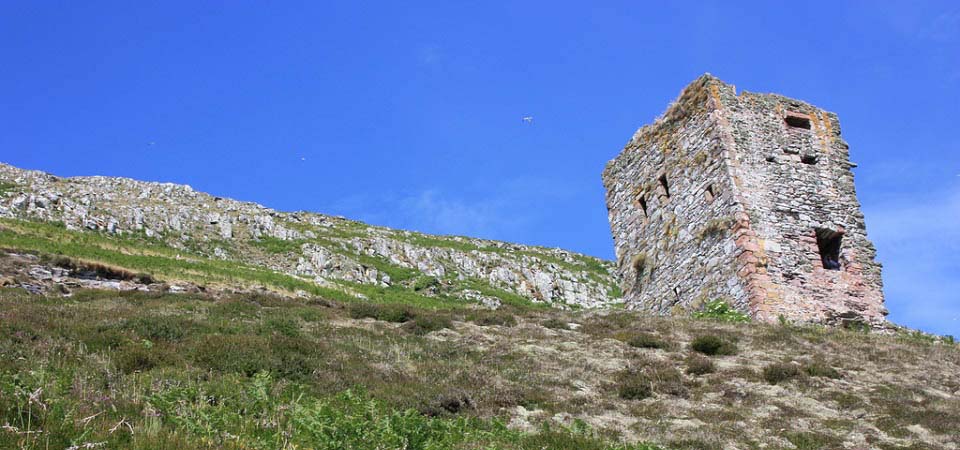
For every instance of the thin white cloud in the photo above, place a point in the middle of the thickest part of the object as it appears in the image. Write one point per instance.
(434, 212)
(503, 210)
(919, 245)
(429, 54)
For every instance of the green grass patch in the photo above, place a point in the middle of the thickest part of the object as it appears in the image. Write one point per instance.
(8, 188)
(722, 311)
(278, 246)
(141, 256)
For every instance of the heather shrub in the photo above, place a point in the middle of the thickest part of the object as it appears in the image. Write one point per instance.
(646, 340)
(699, 365)
(493, 318)
(713, 346)
(159, 328)
(384, 312)
(821, 369)
(780, 372)
(634, 385)
(423, 325)
(556, 324)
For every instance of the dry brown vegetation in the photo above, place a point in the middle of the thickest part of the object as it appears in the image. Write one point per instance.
(623, 376)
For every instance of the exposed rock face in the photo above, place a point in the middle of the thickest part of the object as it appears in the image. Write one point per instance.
(748, 198)
(315, 246)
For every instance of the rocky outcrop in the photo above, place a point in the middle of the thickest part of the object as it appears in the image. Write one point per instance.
(316, 246)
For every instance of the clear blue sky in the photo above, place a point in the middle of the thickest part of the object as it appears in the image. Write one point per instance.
(408, 114)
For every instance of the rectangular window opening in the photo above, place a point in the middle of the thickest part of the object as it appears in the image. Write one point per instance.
(666, 187)
(828, 243)
(708, 194)
(797, 121)
(808, 158)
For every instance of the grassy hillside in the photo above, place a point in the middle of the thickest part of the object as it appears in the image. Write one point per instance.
(152, 256)
(153, 370)
(185, 235)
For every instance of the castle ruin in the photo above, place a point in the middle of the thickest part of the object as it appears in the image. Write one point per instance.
(748, 198)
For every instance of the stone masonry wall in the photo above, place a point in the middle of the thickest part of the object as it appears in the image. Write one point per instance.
(795, 180)
(751, 179)
(680, 252)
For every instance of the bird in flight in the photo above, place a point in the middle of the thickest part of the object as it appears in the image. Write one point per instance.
(527, 119)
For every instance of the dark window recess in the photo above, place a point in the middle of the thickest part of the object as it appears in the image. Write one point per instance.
(639, 265)
(808, 158)
(643, 205)
(828, 243)
(708, 194)
(666, 187)
(676, 292)
(798, 122)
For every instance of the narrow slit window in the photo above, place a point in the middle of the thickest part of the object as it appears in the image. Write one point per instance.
(666, 187)
(708, 194)
(639, 265)
(828, 243)
(797, 121)
(643, 205)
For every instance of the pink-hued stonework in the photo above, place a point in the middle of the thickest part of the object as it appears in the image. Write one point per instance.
(748, 198)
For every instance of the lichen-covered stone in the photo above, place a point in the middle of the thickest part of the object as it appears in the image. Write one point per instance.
(322, 248)
(724, 196)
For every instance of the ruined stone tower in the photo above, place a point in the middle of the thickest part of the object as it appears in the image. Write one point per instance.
(748, 198)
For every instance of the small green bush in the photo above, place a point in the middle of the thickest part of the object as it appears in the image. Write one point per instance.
(309, 314)
(713, 346)
(243, 354)
(699, 365)
(233, 309)
(858, 326)
(425, 282)
(646, 340)
(384, 312)
(448, 404)
(821, 369)
(283, 325)
(134, 358)
(426, 324)
(721, 310)
(159, 328)
(491, 318)
(634, 386)
(137, 357)
(103, 337)
(655, 376)
(247, 354)
(779, 372)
